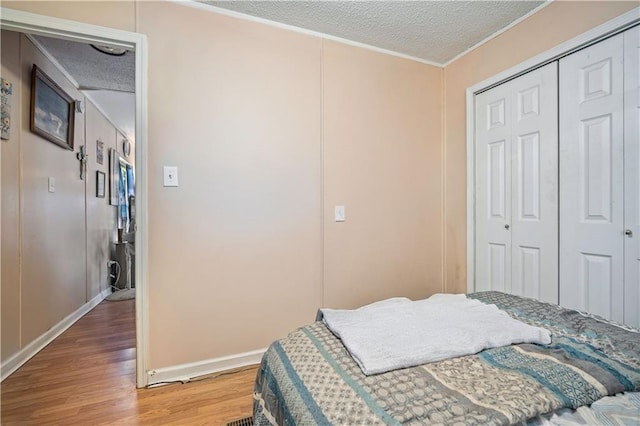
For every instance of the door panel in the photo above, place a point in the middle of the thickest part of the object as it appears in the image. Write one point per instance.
(534, 199)
(591, 179)
(632, 175)
(528, 103)
(498, 263)
(595, 170)
(493, 189)
(595, 80)
(529, 174)
(594, 282)
(497, 189)
(496, 114)
(516, 186)
(530, 272)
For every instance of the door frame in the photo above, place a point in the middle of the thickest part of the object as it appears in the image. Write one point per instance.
(25, 22)
(592, 36)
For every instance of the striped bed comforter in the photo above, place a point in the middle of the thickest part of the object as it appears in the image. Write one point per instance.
(309, 378)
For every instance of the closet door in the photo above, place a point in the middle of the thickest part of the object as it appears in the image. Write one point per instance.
(516, 186)
(493, 189)
(632, 176)
(591, 179)
(534, 195)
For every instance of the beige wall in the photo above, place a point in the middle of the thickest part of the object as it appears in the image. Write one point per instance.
(235, 250)
(10, 202)
(241, 113)
(49, 268)
(120, 14)
(100, 216)
(382, 160)
(53, 229)
(556, 23)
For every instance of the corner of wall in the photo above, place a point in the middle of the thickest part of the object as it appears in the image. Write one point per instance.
(443, 139)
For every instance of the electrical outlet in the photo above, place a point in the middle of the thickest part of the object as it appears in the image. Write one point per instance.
(52, 184)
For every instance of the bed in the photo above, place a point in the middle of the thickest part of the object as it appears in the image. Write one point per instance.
(309, 377)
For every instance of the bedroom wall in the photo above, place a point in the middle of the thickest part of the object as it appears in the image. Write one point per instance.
(382, 161)
(556, 23)
(251, 178)
(235, 250)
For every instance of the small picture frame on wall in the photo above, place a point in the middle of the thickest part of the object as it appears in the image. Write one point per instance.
(6, 91)
(101, 180)
(52, 110)
(100, 151)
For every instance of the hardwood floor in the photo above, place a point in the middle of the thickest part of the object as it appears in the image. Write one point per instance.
(87, 377)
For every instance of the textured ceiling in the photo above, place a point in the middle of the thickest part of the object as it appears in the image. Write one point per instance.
(434, 31)
(90, 68)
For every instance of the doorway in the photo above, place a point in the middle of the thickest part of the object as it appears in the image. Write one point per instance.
(37, 25)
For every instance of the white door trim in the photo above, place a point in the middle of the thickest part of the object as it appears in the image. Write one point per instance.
(594, 35)
(31, 23)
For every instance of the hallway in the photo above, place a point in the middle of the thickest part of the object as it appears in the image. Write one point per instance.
(87, 376)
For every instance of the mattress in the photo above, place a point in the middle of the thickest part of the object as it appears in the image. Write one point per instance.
(308, 377)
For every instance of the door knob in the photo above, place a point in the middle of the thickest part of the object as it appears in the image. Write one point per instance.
(506, 226)
(628, 233)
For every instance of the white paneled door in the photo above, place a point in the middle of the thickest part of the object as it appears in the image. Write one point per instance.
(591, 179)
(632, 176)
(493, 189)
(516, 186)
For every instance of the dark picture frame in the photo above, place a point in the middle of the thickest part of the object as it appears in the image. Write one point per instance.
(52, 110)
(101, 184)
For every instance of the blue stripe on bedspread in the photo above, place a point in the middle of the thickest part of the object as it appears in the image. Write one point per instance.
(605, 363)
(351, 382)
(506, 358)
(302, 390)
(272, 384)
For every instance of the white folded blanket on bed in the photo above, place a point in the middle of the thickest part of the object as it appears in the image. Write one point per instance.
(399, 333)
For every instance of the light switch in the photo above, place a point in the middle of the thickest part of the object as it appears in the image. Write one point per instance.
(170, 176)
(340, 214)
(52, 184)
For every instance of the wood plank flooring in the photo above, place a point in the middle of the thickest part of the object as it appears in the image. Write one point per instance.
(87, 377)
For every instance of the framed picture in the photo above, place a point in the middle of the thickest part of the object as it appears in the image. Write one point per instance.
(101, 179)
(99, 151)
(52, 110)
(6, 91)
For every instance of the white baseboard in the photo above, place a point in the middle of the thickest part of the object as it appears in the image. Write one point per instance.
(26, 353)
(185, 372)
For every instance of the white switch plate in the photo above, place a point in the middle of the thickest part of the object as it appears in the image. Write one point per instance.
(340, 215)
(52, 184)
(170, 176)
